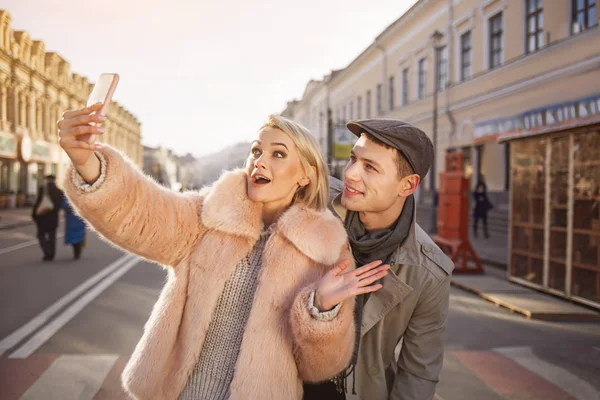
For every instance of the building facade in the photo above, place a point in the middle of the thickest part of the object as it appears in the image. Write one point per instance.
(515, 86)
(484, 72)
(36, 87)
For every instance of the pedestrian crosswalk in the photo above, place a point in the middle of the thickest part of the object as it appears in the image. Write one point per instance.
(515, 373)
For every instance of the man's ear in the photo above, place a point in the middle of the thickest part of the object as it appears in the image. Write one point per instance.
(408, 185)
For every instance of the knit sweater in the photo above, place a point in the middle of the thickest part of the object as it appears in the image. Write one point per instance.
(214, 371)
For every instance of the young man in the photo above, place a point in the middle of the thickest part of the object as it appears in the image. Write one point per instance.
(376, 203)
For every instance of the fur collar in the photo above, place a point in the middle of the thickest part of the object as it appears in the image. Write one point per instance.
(227, 208)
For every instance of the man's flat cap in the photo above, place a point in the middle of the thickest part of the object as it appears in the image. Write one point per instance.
(412, 142)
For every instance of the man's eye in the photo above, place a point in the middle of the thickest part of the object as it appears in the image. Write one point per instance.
(370, 167)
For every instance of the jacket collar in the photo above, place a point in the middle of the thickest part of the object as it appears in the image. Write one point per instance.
(408, 252)
(227, 208)
(394, 289)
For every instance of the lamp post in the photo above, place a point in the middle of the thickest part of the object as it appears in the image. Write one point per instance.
(436, 37)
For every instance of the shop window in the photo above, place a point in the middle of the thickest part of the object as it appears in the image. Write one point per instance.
(586, 216)
(527, 239)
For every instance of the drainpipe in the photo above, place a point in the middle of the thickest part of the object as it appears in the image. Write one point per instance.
(450, 71)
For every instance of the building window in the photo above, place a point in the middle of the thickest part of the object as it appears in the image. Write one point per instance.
(422, 77)
(351, 116)
(584, 15)
(359, 107)
(442, 68)
(379, 100)
(368, 104)
(391, 93)
(534, 37)
(496, 33)
(405, 86)
(465, 56)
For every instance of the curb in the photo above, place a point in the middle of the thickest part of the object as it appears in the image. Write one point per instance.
(541, 316)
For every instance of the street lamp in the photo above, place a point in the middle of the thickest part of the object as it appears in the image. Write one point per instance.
(436, 38)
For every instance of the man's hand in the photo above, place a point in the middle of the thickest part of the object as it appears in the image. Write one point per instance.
(336, 285)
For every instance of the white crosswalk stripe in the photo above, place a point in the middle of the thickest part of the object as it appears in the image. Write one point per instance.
(71, 377)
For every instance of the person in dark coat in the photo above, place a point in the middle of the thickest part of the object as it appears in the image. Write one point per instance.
(482, 206)
(74, 229)
(47, 221)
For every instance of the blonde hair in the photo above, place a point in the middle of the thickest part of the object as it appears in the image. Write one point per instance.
(316, 193)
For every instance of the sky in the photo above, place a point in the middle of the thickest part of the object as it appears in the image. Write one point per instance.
(202, 75)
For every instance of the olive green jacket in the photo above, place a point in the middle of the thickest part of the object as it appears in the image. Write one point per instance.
(409, 312)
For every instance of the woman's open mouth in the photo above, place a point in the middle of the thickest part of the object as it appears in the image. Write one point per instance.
(260, 180)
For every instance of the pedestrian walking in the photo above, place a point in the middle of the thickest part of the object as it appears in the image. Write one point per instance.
(74, 229)
(482, 206)
(45, 214)
(261, 286)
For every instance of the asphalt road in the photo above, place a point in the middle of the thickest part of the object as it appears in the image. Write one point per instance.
(68, 327)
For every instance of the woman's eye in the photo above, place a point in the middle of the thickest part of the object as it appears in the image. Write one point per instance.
(255, 152)
(279, 154)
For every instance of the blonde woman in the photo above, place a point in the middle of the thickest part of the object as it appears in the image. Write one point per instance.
(261, 286)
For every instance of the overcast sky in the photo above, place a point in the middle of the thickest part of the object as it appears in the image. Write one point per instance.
(201, 75)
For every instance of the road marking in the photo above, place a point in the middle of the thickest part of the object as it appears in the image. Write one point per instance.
(26, 244)
(39, 320)
(49, 330)
(71, 377)
(562, 378)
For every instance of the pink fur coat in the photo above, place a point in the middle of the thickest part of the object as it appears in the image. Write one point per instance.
(202, 236)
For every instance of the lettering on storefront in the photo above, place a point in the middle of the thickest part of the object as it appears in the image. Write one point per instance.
(8, 145)
(539, 118)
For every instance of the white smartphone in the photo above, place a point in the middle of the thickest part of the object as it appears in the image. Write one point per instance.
(103, 91)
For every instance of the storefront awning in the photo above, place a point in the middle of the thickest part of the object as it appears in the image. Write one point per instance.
(567, 125)
(552, 118)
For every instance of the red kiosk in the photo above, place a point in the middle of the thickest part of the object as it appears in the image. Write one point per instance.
(453, 217)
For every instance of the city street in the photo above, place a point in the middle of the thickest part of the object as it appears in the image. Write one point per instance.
(68, 327)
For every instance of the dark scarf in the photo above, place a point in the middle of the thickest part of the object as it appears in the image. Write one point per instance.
(367, 247)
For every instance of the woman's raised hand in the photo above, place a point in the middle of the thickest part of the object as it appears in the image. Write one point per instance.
(336, 285)
(78, 136)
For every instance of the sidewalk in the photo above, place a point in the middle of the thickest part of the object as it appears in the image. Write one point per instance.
(492, 251)
(495, 287)
(15, 217)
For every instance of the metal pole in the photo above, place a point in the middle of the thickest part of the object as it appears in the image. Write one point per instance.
(433, 165)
